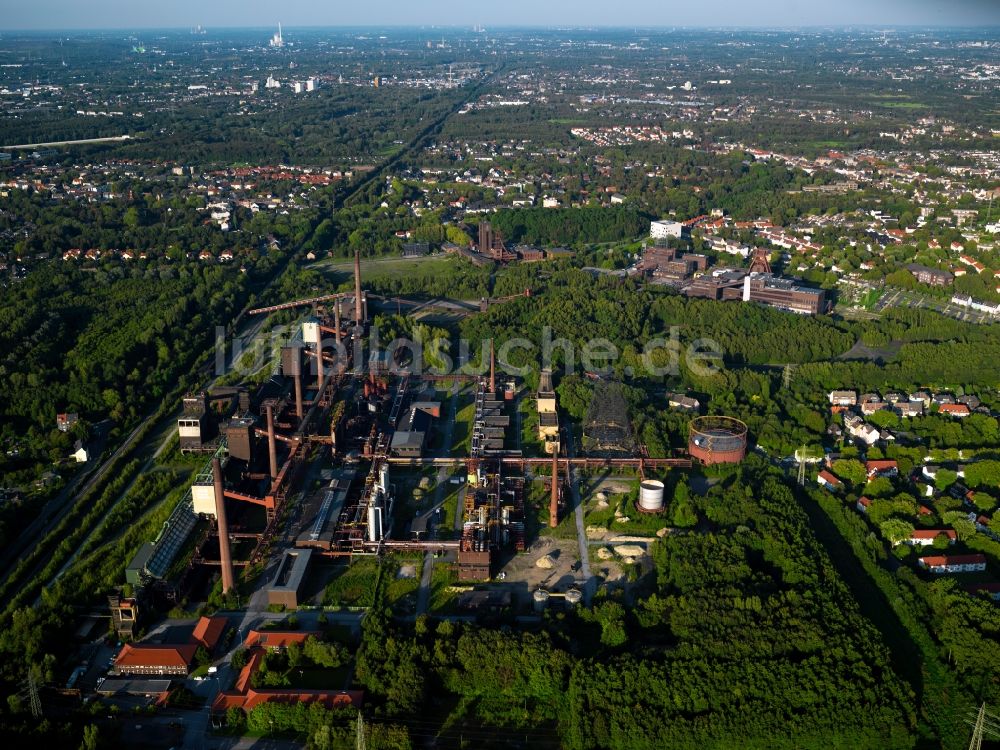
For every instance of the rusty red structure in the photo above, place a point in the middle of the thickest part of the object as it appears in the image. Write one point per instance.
(358, 313)
(225, 555)
(554, 499)
(717, 440)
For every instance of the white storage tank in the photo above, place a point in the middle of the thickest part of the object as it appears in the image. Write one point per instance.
(541, 598)
(573, 597)
(651, 496)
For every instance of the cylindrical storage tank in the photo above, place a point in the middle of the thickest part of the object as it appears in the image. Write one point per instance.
(717, 440)
(651, 496)
(573, 597)
(541, 599)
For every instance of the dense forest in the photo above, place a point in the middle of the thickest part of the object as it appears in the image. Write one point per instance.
(746, 622)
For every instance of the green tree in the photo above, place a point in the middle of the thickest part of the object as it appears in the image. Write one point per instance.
(944, 478)
(959, 521)
(239, 659)
(896, 530)
(91, 737)
(850, 470)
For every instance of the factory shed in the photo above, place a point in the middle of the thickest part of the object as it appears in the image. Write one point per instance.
(286, 586)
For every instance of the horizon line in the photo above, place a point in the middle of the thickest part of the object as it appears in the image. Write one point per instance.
(529, 27)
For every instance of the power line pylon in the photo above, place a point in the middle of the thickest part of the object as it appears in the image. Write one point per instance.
(985, 724)
(787, 374)
(361, 733)
(36, 701)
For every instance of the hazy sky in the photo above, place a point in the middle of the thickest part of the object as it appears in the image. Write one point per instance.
(70, 14)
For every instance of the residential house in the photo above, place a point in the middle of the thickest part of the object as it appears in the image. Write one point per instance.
(923, 537)
(277, 640)
(843, 398)
(939, 564)
(908, 408)
(954, 410)
(678, 401)
(992, 590)
(80, 452)
(886, 468)
(66, 422)
(870, 407)
(864, 432)
(829, 481)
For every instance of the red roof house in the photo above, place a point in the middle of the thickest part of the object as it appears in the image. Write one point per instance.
(887, 468)
(208, 631)
(276, 639)
(156, 658)
(955, 410)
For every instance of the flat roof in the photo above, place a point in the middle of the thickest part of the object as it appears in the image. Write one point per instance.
(320, 513)
(142, 556)
(291, 571)
(134, 687)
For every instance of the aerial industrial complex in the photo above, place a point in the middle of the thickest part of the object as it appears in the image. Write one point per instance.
(358, 420)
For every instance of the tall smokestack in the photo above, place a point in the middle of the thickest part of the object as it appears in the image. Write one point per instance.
(297, 379)
(554, 500)
(358, 320)
(319, 362)
(299, 409)
(272, 447)
(336, 321)
(493, 369)
(225, 556)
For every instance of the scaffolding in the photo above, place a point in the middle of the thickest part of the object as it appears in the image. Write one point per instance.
(607, 431)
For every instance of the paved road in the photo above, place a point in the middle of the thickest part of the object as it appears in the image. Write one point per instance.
(894, 297)
(590, 582)
(444, 473)
(108, 139)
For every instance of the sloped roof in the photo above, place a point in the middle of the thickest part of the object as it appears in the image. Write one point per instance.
(156, 655)
(208, 630)
(276, 638)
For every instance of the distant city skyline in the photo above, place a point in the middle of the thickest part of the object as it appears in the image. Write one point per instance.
(121, 14)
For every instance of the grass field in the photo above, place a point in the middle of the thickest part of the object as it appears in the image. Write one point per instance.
(442, 597)
(353, 585)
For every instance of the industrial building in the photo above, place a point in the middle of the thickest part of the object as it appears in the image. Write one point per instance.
(669, 264)
(764, 288)
(264, 447)
(244, 696)
(167, 658)
(286, 586)
(321, 512)
(493, 516)
(548, 416)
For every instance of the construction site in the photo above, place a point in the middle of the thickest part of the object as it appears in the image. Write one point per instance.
(322, 462)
